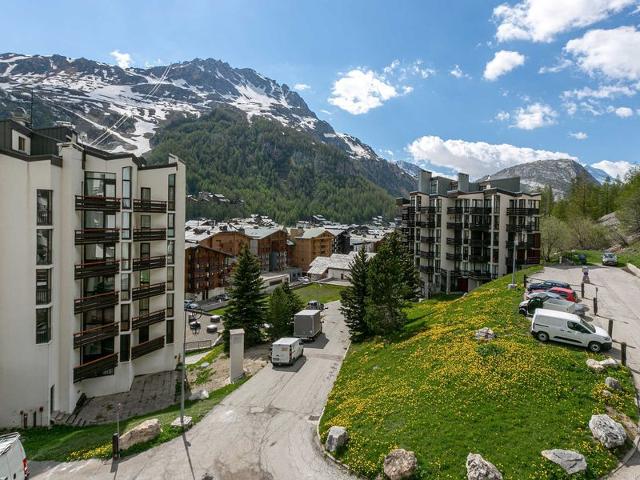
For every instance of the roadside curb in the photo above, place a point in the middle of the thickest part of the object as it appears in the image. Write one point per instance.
(633, 269)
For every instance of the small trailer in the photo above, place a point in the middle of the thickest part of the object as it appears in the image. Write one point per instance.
(307, 324)
(286, 351)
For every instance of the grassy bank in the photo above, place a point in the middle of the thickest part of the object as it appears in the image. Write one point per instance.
(439, 392)
(628, 255)
(64, 443)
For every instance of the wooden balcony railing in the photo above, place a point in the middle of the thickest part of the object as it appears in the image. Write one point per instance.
(95, 334)
(479, 258)
(100, 300)
(105, 204)
(427, 269)
(149, 234)
(523, 211)
(454, 256)
(149, 263)
(428, 239)
(147, 319)
(149, 206)
(106, 267)
(97, 235)
(95, 368)
(147, 347)
(521, 228)
(479, 226)
(148, 291)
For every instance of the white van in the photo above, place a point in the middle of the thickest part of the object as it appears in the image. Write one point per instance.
(286, 351)
(13, 459)
(568, 328)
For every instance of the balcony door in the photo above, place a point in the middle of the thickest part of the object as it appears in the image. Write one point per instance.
(100, 184)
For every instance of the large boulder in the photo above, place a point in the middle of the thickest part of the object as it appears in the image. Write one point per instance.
(336, 438)
(607, 431)
(485, 333)
(570, 461)
(594, 365)
(199, 395)
(612, 383)
(147, 430)
(610, 363)
(400, 464)
(480, 469)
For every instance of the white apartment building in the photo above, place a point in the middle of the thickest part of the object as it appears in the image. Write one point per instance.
(91, 271)
(463, 234)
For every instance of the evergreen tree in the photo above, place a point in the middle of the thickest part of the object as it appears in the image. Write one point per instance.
(410, 276)
(354, 298)
(295, 302)
(280, 314)
(246, 306)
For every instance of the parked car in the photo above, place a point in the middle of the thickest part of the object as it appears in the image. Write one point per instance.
(211, 329)
(568, 328)
(609, 258)
(286, 351)
(551, 301)
(190, 305)
(215, 319)
(566, 293)
(13, 459)
(547, 284)
(304, 279)
(314, 305)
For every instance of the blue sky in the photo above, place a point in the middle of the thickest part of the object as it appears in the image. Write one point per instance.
(467, 85)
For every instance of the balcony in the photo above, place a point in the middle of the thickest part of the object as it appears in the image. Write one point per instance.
(482, 227)
(148, 291)
(523, 211)
(149, 234)
(477, 242)
(483, 276)
(149, 263)
(147, 347)
(428, 239)
(91, 302)
(478, 258)
(480, 210)
(44, 217)
(427, 255)
(96, 334)
(427, 269)
(104, 204)
(105, 268)
(456, 225)
(43, 295)
(427, 224)
(455, 210)
(95, 368)
(148, 319)
(521, 228)
(521, 245)
(457, 241)
(149, 206)
(456, 257)
(428, 210)
(97, 235)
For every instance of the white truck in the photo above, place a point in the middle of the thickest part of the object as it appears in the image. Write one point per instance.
(568, 328)
(286, 351)
(13, 459)
(307, 324)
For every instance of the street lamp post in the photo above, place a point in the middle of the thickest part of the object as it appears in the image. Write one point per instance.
(195, 329)
(513, 271)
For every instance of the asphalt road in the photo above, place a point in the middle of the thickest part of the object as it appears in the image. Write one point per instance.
(265, 430)
(619, 300)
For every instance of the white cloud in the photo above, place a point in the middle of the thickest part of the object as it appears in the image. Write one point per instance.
(458, 73)
(475, 158)
(562, 64)
(503, 62)
(615, 169)
(503, 116)
(542, 20)
(534, 116)
(361, 90)
(579, 135)
(123, 60)
(326, 112)
(623, 112)
(301, 87)
(612, 53)
(603, 91)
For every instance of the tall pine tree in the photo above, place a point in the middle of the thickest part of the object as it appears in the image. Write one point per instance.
(246, 308)
(354, 298)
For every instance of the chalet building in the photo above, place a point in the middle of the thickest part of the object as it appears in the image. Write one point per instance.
(341, 240)
(269, 244)
(91, 284)
(463, 234)
(309, 244)
(207, 271)
(231, 241)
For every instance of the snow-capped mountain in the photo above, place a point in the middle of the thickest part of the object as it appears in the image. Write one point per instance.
(536, 175)
(121, 109)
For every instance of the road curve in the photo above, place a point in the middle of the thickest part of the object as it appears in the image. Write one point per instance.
(265, 430)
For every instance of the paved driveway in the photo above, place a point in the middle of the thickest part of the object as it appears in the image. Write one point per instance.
(618, 299)
(265, 430)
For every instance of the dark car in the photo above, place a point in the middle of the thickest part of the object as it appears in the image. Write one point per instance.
(547, 285)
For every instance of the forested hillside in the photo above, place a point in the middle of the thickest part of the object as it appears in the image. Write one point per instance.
(275, 170)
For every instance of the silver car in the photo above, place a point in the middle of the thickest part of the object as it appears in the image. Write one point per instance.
(610, 259)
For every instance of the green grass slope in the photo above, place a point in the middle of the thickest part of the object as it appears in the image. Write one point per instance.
(441, 393)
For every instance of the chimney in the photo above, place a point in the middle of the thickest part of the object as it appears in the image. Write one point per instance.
(20, 116)
(424, 181)
(463, 182)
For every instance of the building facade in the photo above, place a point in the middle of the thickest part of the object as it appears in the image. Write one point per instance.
(463, 234)
(207, 271)
(309, 244)
(91, 288)
(269, 244)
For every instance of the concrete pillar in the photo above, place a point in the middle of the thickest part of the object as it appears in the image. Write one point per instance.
(236, 354)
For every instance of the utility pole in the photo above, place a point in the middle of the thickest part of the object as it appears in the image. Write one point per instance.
(31, 110)
(513, 272)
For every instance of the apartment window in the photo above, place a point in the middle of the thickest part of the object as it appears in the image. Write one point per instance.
(169, 334)
(125, 348)
(43, 325)
(125, 256)
(143, 307)
(169, 304)
(43, 201)
(143, 334)
(145, 250)
(126, 225)
(98, 184)
(126, 187)
(172, 192)
(171, 246)
(125, 317)
(22, 144)
(145, 278)
(145, 221)
(170, 277)
(125, 287)
(43, 249)
(43, 286)
(171, 225)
